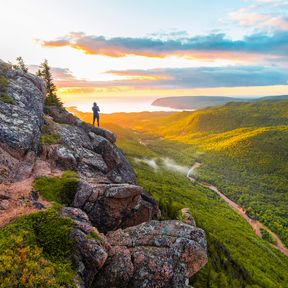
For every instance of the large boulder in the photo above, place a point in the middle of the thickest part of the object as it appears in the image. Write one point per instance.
(92, 155)
(21, 117)
(158, 254)
(90, 246)
(119, 168)
(113, 206)
(152, 254)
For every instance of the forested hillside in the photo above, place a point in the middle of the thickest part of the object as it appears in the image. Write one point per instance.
(200, 102)
(237, 257)
(243, 148)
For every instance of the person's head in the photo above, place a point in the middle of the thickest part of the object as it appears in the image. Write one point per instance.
(94, 104)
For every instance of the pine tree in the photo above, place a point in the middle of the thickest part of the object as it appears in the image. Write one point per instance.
(20, 65)
(51, 96)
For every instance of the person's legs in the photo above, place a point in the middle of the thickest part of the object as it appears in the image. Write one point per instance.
(98, 121)
(93, 120)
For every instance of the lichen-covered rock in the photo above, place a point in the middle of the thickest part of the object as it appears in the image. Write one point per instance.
(21, 117)
(119, 267)
(163, 254)
(113, 206)
(65, 117)
(119, 168)
(21, 120)
(152, 254)
(90, 246)
(93, 156)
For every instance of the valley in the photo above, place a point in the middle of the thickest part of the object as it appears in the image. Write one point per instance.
(256, 225)
(243, 151)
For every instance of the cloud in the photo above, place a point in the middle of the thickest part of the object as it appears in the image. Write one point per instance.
(59, 74)
(263, 15)
(264, 21)
(175, 34)
(213, 46)
(173, 78)
(208, 77)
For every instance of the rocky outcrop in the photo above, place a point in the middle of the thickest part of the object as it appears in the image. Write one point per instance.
(64, 117)
(21, 121)
(118, 241)
(92, 155)
(21, 118)
(163, 254)
(107, 190)
(114, 206)
(152, 254)
(90, 253)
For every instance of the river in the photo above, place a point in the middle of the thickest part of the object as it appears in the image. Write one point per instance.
(256, 225)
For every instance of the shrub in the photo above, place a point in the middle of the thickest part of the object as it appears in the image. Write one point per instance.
(34, 252)
(58, 189)
(267, 236)
(169, 208)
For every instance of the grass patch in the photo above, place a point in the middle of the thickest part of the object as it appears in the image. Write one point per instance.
(34, 252)
(58, 189)
(49, 134)
(3, 83)
(94, 236)
(6, 99)
(49, 139)
(3, 91)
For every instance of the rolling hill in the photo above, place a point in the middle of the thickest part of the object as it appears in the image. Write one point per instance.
(243, 147)
(199, 102)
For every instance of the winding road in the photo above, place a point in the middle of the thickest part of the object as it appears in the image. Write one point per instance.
(256, 225)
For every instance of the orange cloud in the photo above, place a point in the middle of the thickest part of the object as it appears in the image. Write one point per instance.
(212, 47)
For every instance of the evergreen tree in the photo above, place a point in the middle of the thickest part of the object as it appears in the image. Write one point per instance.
(20, 65)
(51, 97)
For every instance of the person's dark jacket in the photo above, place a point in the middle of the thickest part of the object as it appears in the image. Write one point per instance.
(96, 110)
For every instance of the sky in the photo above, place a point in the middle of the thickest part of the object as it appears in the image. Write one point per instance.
(139, 50)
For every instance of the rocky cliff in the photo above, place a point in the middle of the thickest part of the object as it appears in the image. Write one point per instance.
(119, 241)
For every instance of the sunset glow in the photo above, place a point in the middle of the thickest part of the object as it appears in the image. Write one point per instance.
(237, 49)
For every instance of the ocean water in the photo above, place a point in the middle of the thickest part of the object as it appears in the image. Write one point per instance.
(114, 105)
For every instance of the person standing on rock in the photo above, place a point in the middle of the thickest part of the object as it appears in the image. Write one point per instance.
(96, 111)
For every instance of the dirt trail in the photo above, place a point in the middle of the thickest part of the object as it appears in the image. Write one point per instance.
(256, 225)
(15, 198)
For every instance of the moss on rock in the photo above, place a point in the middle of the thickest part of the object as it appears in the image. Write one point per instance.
(58, 189)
